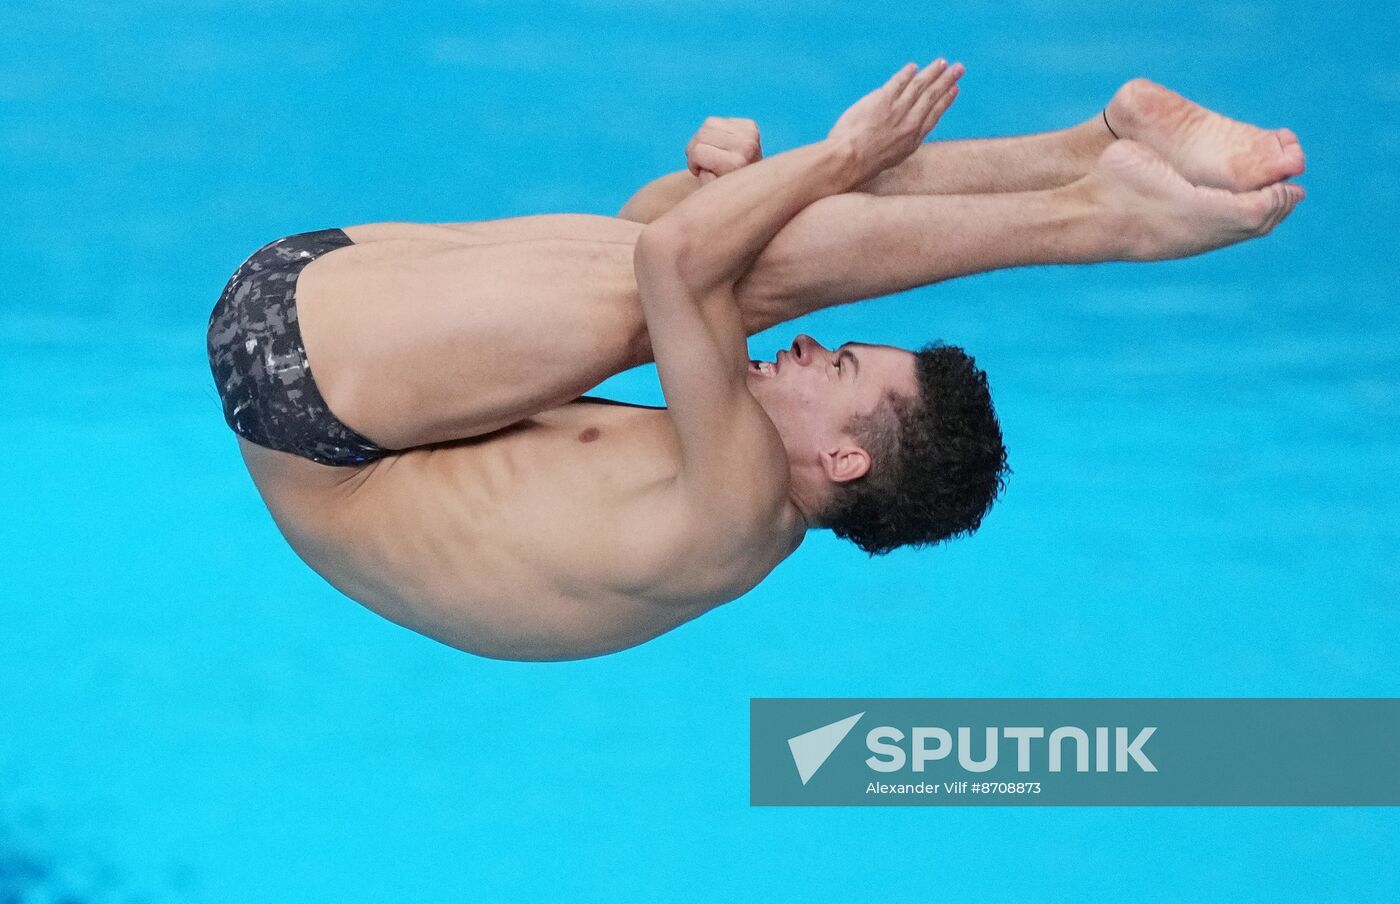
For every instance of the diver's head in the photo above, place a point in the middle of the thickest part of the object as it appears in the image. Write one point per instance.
(886, 447)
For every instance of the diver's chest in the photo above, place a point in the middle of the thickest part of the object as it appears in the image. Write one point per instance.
(593, 447)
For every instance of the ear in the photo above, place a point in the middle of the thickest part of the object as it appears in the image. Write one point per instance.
(845, 463)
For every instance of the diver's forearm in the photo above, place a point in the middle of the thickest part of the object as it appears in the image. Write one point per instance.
(658, 196)
(721, 228)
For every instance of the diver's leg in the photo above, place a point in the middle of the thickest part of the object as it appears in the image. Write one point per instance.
(1205, 147)
(977, 166)
(983, 165)
(1131, 206)
(572, 226)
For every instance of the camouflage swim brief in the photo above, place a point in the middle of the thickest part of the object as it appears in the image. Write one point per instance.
(259, 362)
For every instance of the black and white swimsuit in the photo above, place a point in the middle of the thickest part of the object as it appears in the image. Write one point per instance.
(259, 362)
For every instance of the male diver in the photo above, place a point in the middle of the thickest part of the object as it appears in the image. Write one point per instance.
(442, 469)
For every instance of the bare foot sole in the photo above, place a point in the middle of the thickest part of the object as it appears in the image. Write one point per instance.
(1157, 214)
(1205, 147)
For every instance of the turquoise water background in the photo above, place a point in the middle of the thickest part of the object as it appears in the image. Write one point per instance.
(1204, 500)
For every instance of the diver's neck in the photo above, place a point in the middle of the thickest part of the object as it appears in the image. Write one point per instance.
(809, 492)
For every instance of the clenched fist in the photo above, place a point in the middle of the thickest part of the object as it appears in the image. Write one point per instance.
(723, 145)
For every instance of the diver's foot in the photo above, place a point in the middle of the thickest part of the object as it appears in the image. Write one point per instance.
(1205, 147)
(1152, 213)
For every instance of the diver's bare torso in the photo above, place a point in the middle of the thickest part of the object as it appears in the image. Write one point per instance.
(480, 545)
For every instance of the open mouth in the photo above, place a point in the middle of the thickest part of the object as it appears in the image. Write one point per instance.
(763, 368)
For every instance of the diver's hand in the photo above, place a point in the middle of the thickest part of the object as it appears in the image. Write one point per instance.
(887, 125)
(723, 145)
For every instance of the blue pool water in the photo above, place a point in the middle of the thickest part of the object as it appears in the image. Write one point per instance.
(1204, 500)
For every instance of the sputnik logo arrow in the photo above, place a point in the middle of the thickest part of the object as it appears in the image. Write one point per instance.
(810, 750)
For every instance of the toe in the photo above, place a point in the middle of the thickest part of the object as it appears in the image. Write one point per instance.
(1252, 209)
(1273, 158)
(1286, 197)
(1278, 202)
(1256, 210)
(1293, 150)
(1291, 158)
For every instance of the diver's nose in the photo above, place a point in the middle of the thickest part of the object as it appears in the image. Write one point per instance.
(804, 349)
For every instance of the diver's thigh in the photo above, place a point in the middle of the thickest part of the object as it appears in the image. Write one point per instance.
(421, 340)
(578, 226)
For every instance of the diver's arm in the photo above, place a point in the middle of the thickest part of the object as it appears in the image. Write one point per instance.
(687, 262)
(719, 230)
(658, 196)
(722, 145)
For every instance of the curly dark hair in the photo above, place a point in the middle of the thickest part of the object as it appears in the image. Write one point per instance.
(937, 460)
